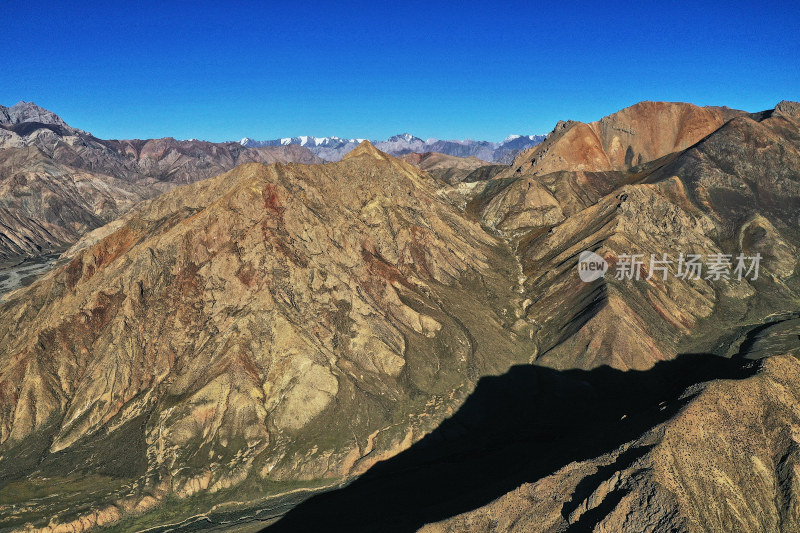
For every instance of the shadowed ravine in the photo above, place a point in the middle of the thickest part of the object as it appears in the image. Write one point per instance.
(514, 429)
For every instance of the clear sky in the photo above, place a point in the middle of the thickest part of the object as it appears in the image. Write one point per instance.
(225, 70)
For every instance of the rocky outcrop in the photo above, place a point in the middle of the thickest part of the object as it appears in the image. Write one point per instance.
(15, 117)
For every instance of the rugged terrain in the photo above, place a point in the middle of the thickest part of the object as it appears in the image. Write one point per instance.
(262, 328)
(270, 334)
(635, 135)
(674, 442)
(58, 182)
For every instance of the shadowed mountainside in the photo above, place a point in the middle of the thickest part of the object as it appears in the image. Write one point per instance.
(516, 428)
(263, 327)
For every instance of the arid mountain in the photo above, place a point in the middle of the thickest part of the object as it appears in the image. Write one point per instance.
(735, 192)
(26, 117)
(59, 182)
(412, 354)
(150, 161)
(433, 160)
(258, 329)
(638, 134)
(46, 205)
(642, 437)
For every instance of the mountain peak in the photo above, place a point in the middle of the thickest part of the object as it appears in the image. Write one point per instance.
(788, 109)
(23, 111)
(368, 149)
(405, 137)
(333, 148)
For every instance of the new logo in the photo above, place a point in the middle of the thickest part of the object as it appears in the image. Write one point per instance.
(591, 266)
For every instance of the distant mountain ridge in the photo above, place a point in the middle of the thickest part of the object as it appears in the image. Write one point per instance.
(57, 182)
(334, 148)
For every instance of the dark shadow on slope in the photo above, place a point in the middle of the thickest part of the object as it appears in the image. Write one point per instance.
(514, 428)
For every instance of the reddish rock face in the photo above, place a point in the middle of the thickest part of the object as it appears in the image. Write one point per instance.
(633, 136)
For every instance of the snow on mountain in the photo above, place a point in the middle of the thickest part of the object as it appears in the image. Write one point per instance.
(334, 148)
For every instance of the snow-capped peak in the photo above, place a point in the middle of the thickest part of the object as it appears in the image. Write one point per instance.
(405, 138)
(333, 148)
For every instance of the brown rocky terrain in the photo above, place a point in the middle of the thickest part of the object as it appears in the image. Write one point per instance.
(58, 182)
(727, 461)
(673, 443)
(264, 327)
(448, 168)
(238, 344)
(433, 160)
(635, 135)
(47, 205)
(735, 192)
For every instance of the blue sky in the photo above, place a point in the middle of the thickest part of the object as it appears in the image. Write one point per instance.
(221, 71)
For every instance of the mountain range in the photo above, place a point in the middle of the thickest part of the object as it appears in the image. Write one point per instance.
(371, 345)
(58, 182)
(334, 148)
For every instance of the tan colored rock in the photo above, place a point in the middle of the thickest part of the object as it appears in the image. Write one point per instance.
(222, 327)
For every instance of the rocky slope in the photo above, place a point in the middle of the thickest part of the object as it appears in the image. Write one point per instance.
(59, 182)
(728, 461)
(250, 331)
(673, 442)
(735, 192)
(635, 135)
(258, 336)
(46, 206)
